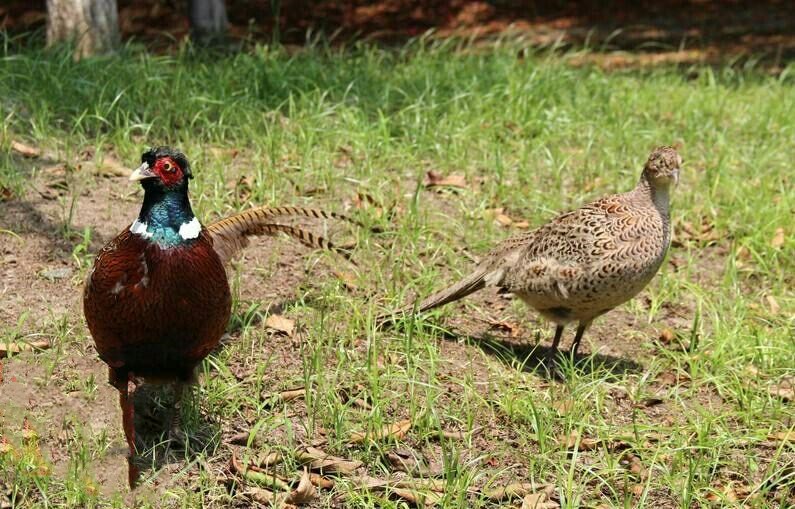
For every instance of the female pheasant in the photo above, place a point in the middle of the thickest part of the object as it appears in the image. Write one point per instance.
(157, 300)
(585, 262)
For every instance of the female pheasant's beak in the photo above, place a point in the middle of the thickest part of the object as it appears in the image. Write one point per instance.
(676, 177)
(142, 172)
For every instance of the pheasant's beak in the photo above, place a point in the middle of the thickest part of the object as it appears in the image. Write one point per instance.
(676, 177)
(142, 172)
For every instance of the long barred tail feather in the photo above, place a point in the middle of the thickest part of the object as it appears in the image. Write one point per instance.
(306, 238)
(230, 235)
(291, 211)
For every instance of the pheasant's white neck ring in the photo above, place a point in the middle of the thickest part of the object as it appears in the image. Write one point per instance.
(187, 231)
(191, 229)
(139, 228)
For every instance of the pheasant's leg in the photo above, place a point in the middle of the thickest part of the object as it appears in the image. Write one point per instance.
(126, 388)
(578, 337)
(555, 342)
(175, 425)
(553, 350)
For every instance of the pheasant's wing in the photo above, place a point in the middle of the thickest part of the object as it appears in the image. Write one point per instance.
(575, 244)
(230, 234)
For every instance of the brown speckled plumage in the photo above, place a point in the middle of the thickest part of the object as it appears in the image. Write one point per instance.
(585, 262)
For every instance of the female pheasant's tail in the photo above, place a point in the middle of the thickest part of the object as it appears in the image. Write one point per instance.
(470, 284)
(230, 235)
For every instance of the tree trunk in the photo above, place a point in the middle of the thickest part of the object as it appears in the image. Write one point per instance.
(91, 25)
(208, 21)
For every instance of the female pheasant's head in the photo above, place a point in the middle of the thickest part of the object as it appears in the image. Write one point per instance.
(663, 167)
(166, 216)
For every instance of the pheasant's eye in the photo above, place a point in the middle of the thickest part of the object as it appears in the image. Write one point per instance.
(168, 167)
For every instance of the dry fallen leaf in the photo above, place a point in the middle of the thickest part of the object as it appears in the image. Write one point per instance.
(634, 464)
(321, 482)
(773, 303)
(24, 149)
(503, 220)
(319, 460)
(396, 430)
(369, 482)
(258, 475)
(667, 336)
(112, 167)
(268, 458)
(16, 347)
(514, 329)
(268, 498)
(581, 443)
(515, 490)
(669, 378)
(460, 435)
(563, 406)
(281, 324)
(435, 179)
(785, 391)
(399, 489)
(438, 485)
(778, 238)
(426, 498)
(305, 492)
(782, 436)
(413, 464)
(539, 500)
(347, 279)
(6, 194)
(286, 396)
(730, 493)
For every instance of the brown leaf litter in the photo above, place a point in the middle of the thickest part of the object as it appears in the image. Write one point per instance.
(281, 324)
(319, 460)
(517, 490)
(15, 347)
(24, 149)
(395, 431)
(436, 179)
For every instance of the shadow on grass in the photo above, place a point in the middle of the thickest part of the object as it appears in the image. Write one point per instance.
(548, 363)
(528, 355)
(157, 445)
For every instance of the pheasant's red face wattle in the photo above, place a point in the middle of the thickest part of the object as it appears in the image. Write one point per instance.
(169, 172)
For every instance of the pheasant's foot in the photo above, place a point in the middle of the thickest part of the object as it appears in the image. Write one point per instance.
(175, 432)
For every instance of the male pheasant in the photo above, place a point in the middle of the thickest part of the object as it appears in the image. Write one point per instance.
(157, 300)
(583, 263)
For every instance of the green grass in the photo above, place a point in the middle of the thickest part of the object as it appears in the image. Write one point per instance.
(535, 136)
